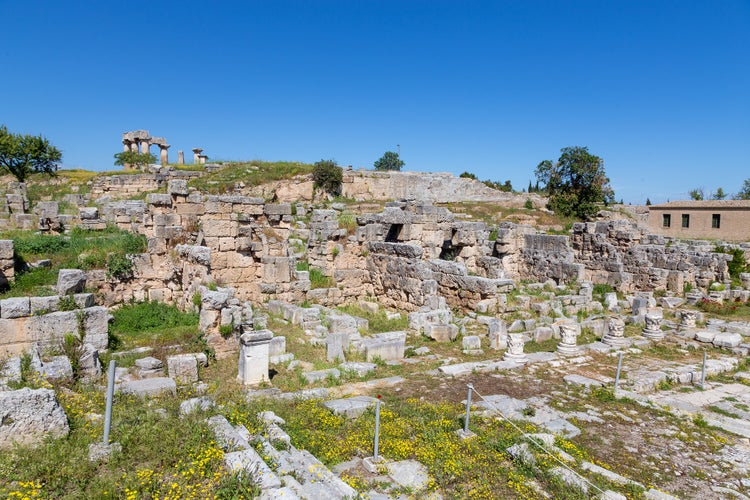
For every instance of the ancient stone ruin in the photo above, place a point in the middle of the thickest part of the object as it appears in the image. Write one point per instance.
(473, 300)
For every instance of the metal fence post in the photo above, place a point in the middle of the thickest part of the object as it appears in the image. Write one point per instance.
(110, 397)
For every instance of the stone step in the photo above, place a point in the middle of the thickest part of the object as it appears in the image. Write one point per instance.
(304, 476)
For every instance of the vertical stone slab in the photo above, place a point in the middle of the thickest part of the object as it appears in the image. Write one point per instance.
(254, 351)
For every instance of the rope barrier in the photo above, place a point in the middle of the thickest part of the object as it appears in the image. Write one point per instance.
(532, 441)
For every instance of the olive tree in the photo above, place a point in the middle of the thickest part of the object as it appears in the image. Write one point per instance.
(389, 161)
(134, 159)
(576, 183)
(328, 176)
(23, 155)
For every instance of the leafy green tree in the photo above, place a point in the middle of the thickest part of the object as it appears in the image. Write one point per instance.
(697, 194)
(23, 155)
(328, 176)
(719, 194)
(575, 183)
(744, 193)
(389, 161)
(134, 159)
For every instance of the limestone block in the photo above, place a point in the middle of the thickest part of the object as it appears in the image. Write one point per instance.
(207, 319)
(50, 329)
(215, 299)
(343, 323)
(6, 249)
(194, 253)
(57, 368)
(471, 342)
(15, 307)
(88, 213)
(96, 326)
(220, 228)
(361, 369)
(248, 464)
(389, 346)
(727, 339)
(277, 346)
(44, 305)
(352, 407)
(441, 333)
(70, 281)
(277, 209)
(337, 344)
(159, 199)
(177, 187)
(183, 368)
(149, 387)
(318, 375)
(29, 416)
(543, 333)
(84, 300)
(149, 363)
(705, 335)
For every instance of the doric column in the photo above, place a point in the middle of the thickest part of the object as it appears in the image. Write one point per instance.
(163, 154)
(196, 155)
(145, 144)
(202, 159)
(180, 157)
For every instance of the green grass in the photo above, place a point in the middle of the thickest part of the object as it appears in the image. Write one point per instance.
(41, 187)
(163, 455)
(81, 249)
(252, 173)
(154, 323)
(377, 322)
(319, 280)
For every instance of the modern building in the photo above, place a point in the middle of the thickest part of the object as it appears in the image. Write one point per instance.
(727, 220)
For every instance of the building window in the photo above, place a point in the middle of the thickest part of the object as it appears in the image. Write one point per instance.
(716, 221)
(685, 220)
(666, 220)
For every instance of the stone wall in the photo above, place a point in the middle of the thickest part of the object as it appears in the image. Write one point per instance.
(618, 253)
(7, 264)
(26, 321)
(426, 186)
(127, 185)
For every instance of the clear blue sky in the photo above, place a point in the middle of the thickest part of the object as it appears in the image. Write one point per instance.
(659, 89)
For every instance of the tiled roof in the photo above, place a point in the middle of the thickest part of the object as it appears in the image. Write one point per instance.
(706, 204)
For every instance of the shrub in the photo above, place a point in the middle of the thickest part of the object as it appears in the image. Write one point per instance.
(348, 221)
(72, 347)
(528, 205)
(226, 330)
(119, 266)
(738, 264)
(319, 280)
(602, 289)
(328, 177)
(467, 175)
(67, 303)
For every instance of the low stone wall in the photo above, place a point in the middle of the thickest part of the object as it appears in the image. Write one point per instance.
(426, 186)
(127, 185)
(7, 264)
(26, 321)
(618, 253)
